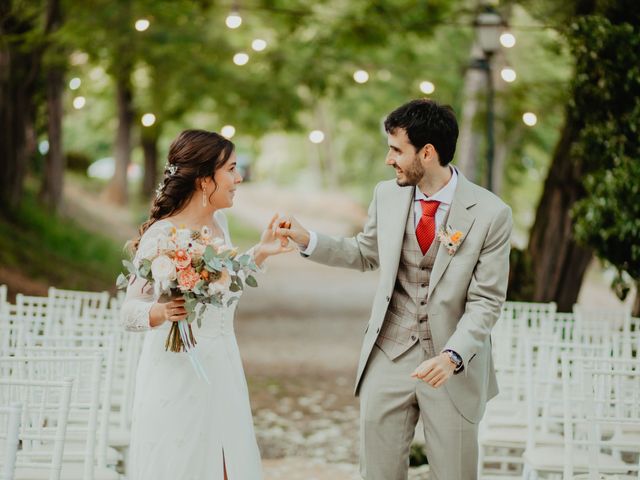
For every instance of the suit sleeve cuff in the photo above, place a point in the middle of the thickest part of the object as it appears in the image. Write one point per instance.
(313, 243)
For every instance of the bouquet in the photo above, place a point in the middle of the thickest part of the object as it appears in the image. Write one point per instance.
(196, 266)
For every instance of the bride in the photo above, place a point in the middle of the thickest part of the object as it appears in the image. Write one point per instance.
(183, 427)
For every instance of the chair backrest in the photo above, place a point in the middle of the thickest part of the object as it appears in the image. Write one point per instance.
(43, 426)
(601, 400)
(106, 347)
(3, 297)
(611, 319)
(85, 395)
(81, 300)
(544, 383)
(34, 314)
(10, 435)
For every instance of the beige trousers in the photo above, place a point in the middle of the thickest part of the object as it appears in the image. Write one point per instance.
(390, 403)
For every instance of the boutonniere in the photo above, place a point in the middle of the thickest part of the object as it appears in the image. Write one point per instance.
(450, 238)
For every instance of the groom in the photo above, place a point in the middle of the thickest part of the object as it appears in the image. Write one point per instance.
(442, 245)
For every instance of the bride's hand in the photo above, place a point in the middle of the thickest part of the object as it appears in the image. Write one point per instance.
(172, 311)
(271, 243)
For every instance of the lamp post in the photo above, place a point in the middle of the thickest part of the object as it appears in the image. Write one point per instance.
(488, 25)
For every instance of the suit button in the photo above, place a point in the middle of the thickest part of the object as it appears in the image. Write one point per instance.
(424, 320)
(424, 285)
(388, 298)
(413, 337)
(378, 330)
(423, 302)
(423, 268)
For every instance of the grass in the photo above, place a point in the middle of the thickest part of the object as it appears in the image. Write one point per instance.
(57, 251)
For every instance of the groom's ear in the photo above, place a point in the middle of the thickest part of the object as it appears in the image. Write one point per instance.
(427, 152)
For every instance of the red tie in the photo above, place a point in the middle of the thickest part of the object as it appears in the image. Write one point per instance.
(426, 229)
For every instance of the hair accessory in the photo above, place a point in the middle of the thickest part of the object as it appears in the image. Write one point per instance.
(173, 168)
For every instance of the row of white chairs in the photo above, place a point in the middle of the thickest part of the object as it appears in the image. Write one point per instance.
(75, 336)
(527, 422)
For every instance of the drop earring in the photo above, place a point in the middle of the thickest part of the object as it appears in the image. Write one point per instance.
(204, 196)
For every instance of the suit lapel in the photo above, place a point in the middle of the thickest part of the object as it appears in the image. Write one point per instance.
(459, 219)
(396, 223)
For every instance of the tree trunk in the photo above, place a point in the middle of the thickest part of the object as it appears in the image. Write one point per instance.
(469, 141)
(18, 74)
(558, 263)
(116, 191)
(52, 184)
(149, 141)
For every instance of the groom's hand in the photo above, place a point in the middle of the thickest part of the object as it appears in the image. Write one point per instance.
(288, 226)
(435, 371)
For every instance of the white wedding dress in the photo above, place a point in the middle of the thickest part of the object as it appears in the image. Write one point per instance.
(184, 428)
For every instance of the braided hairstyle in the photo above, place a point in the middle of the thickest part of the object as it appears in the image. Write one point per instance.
(195, 154)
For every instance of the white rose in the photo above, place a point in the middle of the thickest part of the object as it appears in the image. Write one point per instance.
(197, 249)
(163, 269)
(183, 238)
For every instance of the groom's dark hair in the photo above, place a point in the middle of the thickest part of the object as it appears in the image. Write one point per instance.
(426, 121)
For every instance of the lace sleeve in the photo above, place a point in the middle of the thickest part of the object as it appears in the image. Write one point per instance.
(139, 297)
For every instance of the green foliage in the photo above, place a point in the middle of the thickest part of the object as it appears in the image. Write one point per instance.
(56, 251)
(607, 86)
(417, 455)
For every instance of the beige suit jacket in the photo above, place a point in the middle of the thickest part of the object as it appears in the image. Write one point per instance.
(466, 290)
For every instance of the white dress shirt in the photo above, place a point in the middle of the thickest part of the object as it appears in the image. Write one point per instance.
(444, 196)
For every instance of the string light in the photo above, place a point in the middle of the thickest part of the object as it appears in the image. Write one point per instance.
(316, 136)
(148, 119)
(361, 76)
(79, 102)
(240, 58)
(529, 119)
(507, 40)
(233, 20)
(427, 87)
(228, 131)
(508, 74)
(142, 24)
(258, 44)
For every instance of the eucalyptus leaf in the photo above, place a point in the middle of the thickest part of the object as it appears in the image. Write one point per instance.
(122, 281)
(251, 281)
(129, 266)
(209, 254)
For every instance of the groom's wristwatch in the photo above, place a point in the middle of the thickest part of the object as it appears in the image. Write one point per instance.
(456, 359)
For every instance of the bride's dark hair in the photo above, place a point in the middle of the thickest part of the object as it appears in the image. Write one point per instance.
(195, 154)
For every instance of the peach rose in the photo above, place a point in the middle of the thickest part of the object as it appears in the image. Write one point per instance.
(183, 259)
(188, 278)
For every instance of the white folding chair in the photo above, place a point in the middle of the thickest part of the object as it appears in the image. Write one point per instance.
(601, 398)
(542, 456)
(503, 430)
(10, 438)
(45, 409)
(88, 346)
(75, 304)
(81, 445)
